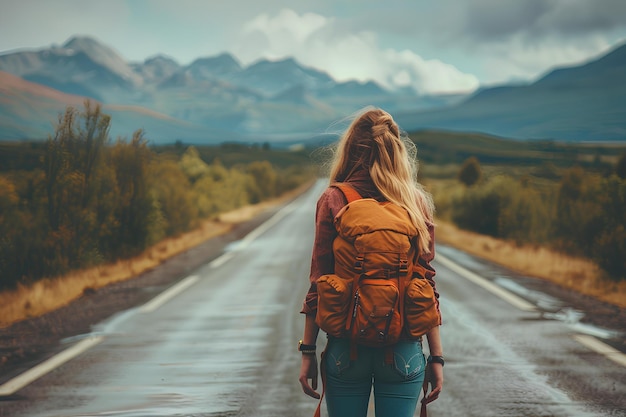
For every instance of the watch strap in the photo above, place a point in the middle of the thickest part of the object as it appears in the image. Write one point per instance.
(436, 359)
(306, 349)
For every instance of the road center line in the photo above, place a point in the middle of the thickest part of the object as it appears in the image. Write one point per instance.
(168, 294)
(486, 284)
(602, 348)
(20, 381)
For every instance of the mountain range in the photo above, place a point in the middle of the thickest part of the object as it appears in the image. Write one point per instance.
(581, 103)
(216, 99)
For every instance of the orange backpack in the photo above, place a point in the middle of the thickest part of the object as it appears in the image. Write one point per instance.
(377, 293)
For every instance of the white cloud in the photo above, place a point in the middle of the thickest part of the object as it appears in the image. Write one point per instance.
(320, 42)
(520, 59)
(287, 25)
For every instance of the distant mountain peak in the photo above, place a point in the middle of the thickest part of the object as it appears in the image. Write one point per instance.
(266, 63)
(227, 56)
(80, 42)
(157, 68)
(223, 63)
(103, 55)
(160, 58)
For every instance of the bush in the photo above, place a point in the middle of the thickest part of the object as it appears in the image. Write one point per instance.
(470, 172)
(175, 199)
(505, 208)
(262, 181)
(478, 209)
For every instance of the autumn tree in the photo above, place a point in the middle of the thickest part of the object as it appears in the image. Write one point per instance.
(137, 219)
(192, 165)
(609, 233)
(263, 181)
(172, 190)
(72, 158)
(9, 219)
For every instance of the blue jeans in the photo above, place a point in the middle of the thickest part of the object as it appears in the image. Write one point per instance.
(349, 383)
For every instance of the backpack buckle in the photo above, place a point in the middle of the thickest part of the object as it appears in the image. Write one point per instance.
(358, 264)
(404, 266)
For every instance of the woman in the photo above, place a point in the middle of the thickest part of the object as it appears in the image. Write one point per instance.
(375, 160)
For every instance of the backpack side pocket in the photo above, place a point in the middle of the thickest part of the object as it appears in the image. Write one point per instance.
(420, 308)
(333, 302)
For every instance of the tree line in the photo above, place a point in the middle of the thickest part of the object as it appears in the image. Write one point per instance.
(582, 212)
(92, 200)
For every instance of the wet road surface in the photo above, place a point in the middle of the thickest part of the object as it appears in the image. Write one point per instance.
(223, 343)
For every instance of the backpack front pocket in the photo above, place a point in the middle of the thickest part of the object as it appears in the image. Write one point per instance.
(376, 316)
(333, 302)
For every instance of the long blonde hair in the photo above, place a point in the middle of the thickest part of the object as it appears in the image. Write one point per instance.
(374, 142)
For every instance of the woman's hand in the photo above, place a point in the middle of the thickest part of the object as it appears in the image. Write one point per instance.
(309, 370)
(434, 377)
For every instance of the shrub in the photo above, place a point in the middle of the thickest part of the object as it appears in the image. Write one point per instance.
(470, 172)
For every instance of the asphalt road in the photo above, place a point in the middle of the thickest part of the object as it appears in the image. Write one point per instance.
(222, 342)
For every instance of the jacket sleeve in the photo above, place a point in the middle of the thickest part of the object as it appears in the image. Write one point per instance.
(322, 259)
(425, 261)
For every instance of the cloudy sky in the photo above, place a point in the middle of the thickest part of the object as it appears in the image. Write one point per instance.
(433, 46)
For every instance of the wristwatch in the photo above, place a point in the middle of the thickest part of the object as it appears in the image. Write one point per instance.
(306, 349)
(436, 359)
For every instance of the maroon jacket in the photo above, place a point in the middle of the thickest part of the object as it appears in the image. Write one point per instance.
(322, 261)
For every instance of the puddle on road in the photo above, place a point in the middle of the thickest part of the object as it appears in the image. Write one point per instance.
(554, 309)
(551, 308)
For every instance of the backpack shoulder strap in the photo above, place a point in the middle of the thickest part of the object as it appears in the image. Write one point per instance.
(348, 191)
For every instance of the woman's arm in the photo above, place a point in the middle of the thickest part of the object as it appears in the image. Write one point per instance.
(309, 369)
(434, 370)
(322, 262)
(322, 258)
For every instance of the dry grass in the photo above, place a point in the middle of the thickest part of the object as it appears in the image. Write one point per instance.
(578, 274)
(49, 294)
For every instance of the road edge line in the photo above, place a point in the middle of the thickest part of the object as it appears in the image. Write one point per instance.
(602, 348)
(217, 262)
(168, 294)
(268, 224)
(508, 296)
(15, 384)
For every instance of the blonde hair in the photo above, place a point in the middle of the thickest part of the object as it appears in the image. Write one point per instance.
(373, 142)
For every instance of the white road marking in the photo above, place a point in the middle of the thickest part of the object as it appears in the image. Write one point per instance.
(168, 294)
(20, 381)
(602, 348)
(486, 284)
(217, 262)
(250, 237)
(267, 225)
